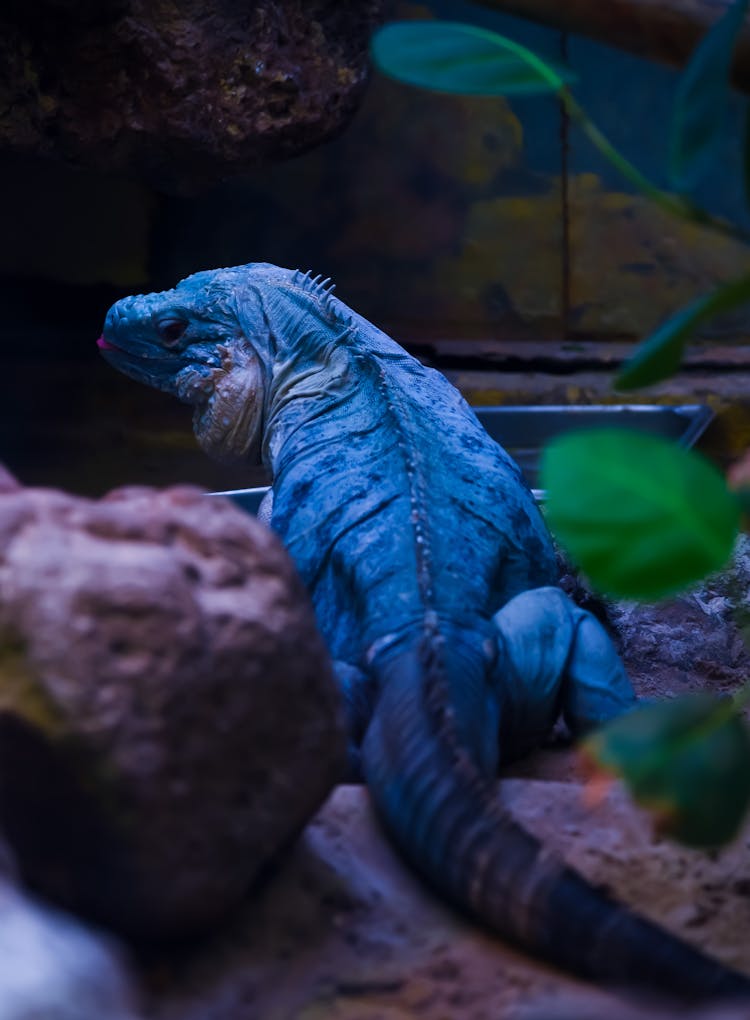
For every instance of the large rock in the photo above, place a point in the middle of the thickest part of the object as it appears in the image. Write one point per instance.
(169, 718)
(178, 91)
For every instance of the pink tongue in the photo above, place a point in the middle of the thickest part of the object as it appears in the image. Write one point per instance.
(104, 345)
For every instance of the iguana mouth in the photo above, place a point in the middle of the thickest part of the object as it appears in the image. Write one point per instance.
(105, 345)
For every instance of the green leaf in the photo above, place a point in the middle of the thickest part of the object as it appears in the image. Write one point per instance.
(449, 56)
(701, 103)
(687, 761)
(659, 356)
(641, 516)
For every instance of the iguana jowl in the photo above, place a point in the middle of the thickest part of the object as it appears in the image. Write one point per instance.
(432, 576)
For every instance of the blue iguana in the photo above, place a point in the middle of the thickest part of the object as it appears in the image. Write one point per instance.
(433, 579)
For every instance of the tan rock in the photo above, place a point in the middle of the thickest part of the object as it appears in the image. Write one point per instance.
(168, 718)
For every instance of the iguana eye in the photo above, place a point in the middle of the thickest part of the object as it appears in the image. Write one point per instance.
(171, 330)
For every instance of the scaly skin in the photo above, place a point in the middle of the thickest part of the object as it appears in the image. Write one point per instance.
(432, 576)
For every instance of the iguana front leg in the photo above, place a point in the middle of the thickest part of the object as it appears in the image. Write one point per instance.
(553, 658)
(265, 510)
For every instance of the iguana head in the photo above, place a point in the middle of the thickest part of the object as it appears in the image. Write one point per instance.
(230, 342)
(189, 342)
(159, 338)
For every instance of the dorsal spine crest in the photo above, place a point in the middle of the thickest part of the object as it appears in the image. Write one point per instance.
(322, 290)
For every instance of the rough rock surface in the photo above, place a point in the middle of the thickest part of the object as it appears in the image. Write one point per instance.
(695, 640)
(52, 968)
(179, 92)
(168, 718)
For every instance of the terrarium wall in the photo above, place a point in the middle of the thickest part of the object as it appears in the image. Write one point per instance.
(443, 216)
(438, 217)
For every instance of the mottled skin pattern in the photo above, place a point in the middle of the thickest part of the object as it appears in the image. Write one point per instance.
(432, 576)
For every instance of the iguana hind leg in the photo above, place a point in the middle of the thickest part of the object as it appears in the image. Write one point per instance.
(554, 658)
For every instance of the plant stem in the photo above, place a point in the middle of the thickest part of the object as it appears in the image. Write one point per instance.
(683, 208)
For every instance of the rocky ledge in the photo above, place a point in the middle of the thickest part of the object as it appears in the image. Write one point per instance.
(179, 92)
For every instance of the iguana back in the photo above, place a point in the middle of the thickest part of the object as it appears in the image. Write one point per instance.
(430, 570)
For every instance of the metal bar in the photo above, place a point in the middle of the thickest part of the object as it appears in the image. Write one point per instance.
(523, 431)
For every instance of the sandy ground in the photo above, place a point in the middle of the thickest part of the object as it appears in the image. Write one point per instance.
(342, 930)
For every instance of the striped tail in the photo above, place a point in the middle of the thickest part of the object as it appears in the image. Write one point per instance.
(443, 814)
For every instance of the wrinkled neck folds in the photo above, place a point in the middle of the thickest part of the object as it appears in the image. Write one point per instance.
(307, 349)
